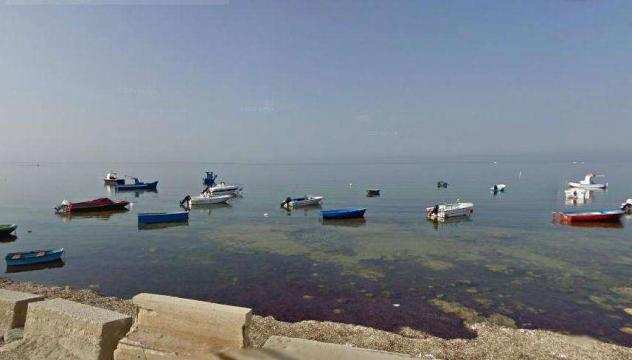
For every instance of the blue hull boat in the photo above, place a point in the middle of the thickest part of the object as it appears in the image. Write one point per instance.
(352, 213)
(33, 257)
(137, 185)
(160, 218)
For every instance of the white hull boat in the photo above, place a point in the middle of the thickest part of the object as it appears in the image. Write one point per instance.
(308, 200)
(206, 199)
(498, 187)
(443, 212)
(588, 183)
(223, 189)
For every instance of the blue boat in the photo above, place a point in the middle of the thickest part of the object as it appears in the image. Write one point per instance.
(159, 218)
(351, 213)
(137, 185)
(33, 257)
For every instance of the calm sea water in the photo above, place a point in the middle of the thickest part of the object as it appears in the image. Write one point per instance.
(394, 270)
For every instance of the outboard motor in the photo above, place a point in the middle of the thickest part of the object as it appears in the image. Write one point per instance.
(185, 201)
(287, 201)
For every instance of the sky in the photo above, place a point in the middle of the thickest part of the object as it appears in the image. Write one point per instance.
(228, 80)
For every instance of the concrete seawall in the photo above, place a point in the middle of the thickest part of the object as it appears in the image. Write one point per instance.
(164, 327)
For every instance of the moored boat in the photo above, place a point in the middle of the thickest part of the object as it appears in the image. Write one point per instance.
(498, 188)
(588, 183)
(33, 257)
(445, 211)
(223, 189)
(573, 217)
(103, 204)
(112, 178)
(7, 229)
(442, 184)
(158, 218)
(373, 192)
(137, 185)
(348, 213)
(205, 199)
(307, 200)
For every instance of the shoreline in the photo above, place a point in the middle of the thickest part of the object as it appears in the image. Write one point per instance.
(491, 340)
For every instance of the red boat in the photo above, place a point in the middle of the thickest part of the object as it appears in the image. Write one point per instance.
(103, 204)
(603, 216)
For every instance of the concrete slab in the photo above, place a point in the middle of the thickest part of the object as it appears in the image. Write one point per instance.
(85, 331)
(290, 348)
(13, 306)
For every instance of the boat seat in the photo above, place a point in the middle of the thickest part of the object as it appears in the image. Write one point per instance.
(41, 253)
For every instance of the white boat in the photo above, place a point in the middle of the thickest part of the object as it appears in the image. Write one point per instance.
(442, 212)
(588, 183)
(307, 200)
(577, 194)
(498, 187)
(207, 199)
(223, 189)
(627, 206)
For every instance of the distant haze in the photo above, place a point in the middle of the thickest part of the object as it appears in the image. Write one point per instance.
(287, 80)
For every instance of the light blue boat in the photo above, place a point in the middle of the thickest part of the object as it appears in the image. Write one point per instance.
(33, 257)
(351, 213)
(160, 218)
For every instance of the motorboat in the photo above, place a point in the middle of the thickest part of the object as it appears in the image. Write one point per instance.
(627, 206)
(588, 183)
(112, 178)
(102, 204)
(6, 230)
(445, 211)
(137, 185)
(223, 189)
(349, 213)
(442, 185)
(373, 192)
(307, 200)
(603, 216)
(205, 199)
(159, 218)
(498, 188)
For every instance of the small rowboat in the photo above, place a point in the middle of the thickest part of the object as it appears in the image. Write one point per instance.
(7, 229)
(205, 199)
(350, 213)
(443, 212)
(137, 185)
(373, 192)
(103, 204)
(498, 188)
(33, 257)
(307, 200)
(442, 184)
(112, 178)
(570, 217)
(159, 218)
(588, 183)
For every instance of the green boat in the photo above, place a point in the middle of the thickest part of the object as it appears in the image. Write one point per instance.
(7, 229)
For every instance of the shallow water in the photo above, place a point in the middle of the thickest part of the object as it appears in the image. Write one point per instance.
(393, 270)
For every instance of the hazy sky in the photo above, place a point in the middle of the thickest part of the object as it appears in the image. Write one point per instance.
(257, 80)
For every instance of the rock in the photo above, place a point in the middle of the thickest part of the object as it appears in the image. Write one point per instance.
(13, 335)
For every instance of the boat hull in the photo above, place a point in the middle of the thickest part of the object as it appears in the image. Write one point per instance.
(143, 186)
(343, 214)
(160, 218)
(587, 186)
(450, 211)
(33, 257)
(612, 216)
(303, 202)
(103, 204)
(7, 229)
(208, 200)
(114, 181)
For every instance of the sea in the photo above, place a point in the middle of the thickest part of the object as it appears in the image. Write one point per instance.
(509, 263)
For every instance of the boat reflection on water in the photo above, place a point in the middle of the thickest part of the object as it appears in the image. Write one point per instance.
(450, 222)
(208, 208)
(161, 225)
(22, 268)
(302, 211)
(112, 190)
(98, 215)
(344, 222)
(603, 225)
(8, 238)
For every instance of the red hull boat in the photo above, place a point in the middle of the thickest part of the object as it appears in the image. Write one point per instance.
(605, 216)
(103, 204)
